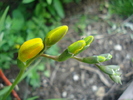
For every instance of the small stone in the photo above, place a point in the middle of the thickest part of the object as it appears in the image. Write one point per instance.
(94, 88)
(64, 94)
(44, 83)
(75, 77)
(1, 85)
(118, 47)
(128, 56)
(100, 92)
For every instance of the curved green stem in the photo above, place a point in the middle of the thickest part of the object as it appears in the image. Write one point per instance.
(77, 58)
(14, 83)
(97, 66)
(19, 77)
(49, 56)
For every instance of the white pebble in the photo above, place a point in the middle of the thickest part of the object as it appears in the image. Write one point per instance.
(94, 88)
(118, 47)
(64, 94)
(75, 77)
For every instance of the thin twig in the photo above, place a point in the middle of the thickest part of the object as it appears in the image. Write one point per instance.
(54, 74)
(111, 89)
(101, 76)
(128, 19)
(129, 74)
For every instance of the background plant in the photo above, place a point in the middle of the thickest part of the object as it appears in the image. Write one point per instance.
(26, 20)
(121, 7)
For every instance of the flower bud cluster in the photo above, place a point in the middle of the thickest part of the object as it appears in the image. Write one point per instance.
(75, 48)
(35, 47)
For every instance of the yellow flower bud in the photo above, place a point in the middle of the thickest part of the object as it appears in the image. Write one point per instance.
(55, 35)
(30, 49)
(17, 46)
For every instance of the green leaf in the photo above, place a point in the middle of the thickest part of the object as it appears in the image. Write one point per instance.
(8, 98)
(27, 1)
(34, 78)
(34, 67)
(57, 99)
(67, 1)
(52, 10)
(47, 73)
(49, 2)
(59, 8)
(33, 98)
(132, 59)
(54, 50)
(1, 39)
(41, 67)
(4, 90)
(2, 19)
(18, 20)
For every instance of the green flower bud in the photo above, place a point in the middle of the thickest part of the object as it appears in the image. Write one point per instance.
(114, 67)
(89, 40)
(116, 78)
(109, 69)
(112, 71)
(30, 49)
(107, 56)
(72, 50)
(93, 59)
(55, 35)
(76, 47)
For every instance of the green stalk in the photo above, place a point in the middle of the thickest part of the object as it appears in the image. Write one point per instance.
(19, 77)
(77, 58)
(30, 70)
(49, 56)
(14, 83)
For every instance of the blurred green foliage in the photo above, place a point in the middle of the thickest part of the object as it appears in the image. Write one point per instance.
(121, 7)
(80, 28)
(25, 20)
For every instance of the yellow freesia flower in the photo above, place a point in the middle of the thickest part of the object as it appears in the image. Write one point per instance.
(30, 49)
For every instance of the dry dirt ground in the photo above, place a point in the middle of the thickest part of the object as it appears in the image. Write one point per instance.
(79, 81)
(74, 80)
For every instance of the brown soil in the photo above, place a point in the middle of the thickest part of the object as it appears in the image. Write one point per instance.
(74, 80)
(79, 81)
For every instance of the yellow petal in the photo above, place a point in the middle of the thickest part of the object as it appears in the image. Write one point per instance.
(30, 49)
